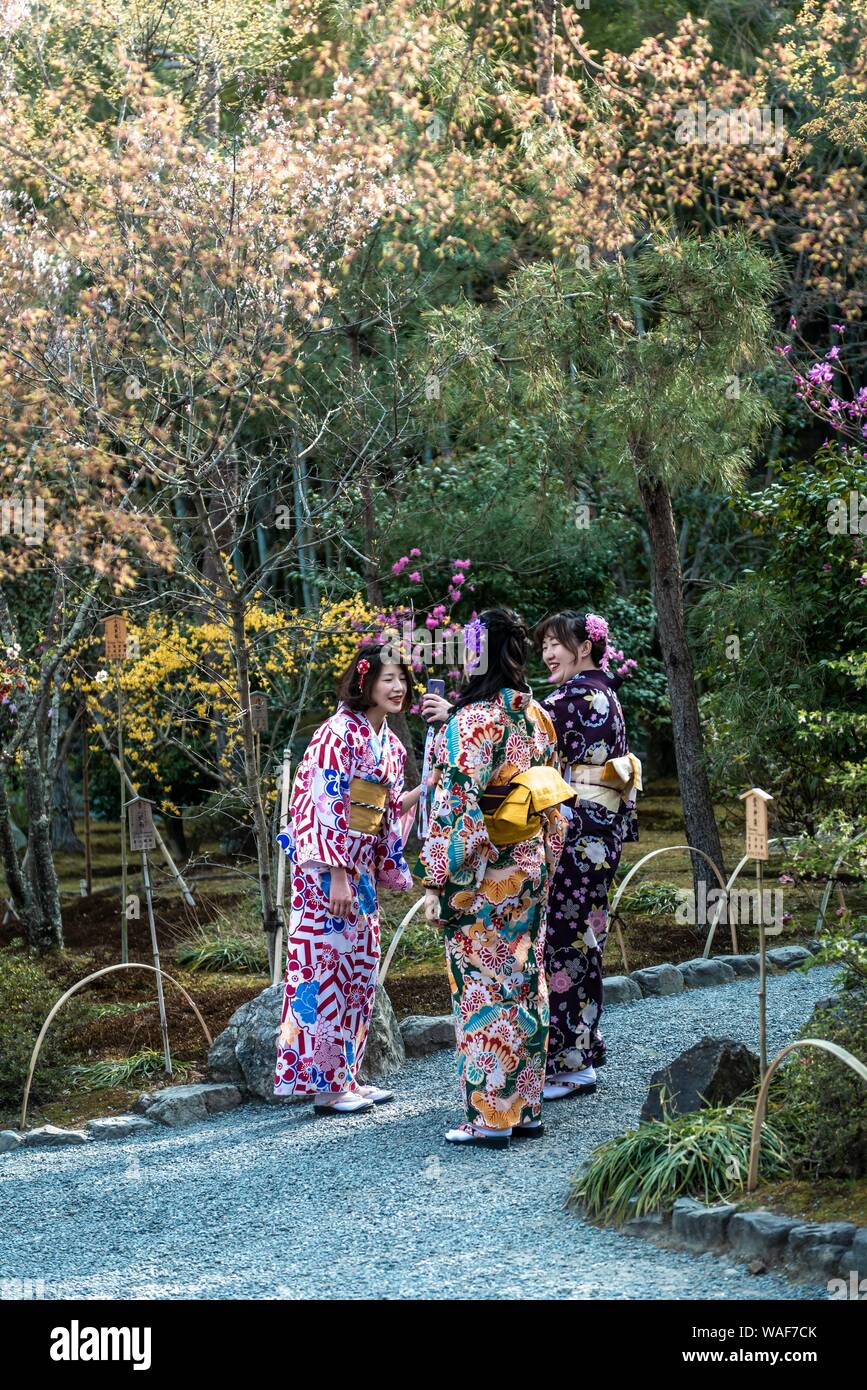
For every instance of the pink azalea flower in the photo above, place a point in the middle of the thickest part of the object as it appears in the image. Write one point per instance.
(415, 577)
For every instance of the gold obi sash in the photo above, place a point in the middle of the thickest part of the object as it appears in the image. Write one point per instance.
(610, 784)
(367, 803)
(513, 811)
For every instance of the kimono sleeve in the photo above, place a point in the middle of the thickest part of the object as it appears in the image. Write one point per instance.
(558, 817)
(319, 809)
(457, 841)
(392, 870)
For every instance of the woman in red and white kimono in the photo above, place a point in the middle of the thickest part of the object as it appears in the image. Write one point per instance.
(343, 840)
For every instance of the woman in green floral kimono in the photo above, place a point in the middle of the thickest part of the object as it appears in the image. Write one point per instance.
(487, 864)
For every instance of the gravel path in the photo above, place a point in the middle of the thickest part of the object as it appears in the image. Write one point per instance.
(268, 1201)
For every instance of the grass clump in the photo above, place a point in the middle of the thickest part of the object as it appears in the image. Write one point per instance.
(704, 1154)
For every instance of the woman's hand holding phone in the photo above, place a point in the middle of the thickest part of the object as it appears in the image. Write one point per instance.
(435, 708)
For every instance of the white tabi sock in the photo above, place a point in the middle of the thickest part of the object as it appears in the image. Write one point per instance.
(583, 1078)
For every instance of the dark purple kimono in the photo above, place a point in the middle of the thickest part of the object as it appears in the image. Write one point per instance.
(590, 729)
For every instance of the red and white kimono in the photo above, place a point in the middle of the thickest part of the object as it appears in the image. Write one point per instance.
(332, 962)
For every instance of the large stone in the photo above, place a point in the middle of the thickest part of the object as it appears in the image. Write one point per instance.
(50, 1135)
(9, 1139)
(820, 1261)
(385, 1052)
(423, 1034)
(822, 1233)
(700, 974)
(714, 1071)
(760, 1235)
(652, 1224)
(699, 1227)
(184, 1105)
(117, 1126)
(620, 989)
(858, 1253)
(783, 958)
(743, 966)
(659, 979)
(245, 1053)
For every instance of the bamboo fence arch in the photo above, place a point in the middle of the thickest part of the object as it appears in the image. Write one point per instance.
(762, 1099)
(106, 970)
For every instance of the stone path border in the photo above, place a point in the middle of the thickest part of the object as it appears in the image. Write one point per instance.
(762, 1240)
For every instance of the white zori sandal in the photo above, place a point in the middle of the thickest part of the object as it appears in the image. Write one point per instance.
(479, 1135)
(376, 1094)
(343, 1103)
(570, 1083)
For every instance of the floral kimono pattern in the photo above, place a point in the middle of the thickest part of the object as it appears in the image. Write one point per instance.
(332, 962)
(590, 729)
(492, 903)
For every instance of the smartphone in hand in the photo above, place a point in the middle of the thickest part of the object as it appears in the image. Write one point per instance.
(436, 687)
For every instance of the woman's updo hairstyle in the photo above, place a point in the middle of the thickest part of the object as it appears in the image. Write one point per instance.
(355, 686)
(505, 647)
(570, 629)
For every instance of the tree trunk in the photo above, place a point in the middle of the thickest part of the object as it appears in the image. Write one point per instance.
(698, 812)
(270, 920)
(63, 836)
(46, 931)
(398, 722)
(20, 895)
(544, 29)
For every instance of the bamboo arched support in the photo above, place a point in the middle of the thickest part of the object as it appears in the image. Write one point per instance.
(762, 1099)
(396, 938)
(670, 849)
(107, 970)
(826, 896)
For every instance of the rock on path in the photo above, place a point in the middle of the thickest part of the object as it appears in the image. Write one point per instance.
(269, 1201)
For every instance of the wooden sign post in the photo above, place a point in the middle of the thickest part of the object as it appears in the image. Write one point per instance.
(142, 837)
(259, 722)
(757, 848)
(115, 632)
(85, 792)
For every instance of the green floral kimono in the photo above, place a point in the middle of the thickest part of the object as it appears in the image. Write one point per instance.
(492, 903)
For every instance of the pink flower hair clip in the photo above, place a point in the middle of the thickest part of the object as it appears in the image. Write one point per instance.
(363, 668)
(597, 628)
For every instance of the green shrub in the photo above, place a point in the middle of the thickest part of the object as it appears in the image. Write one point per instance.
(704, 1155)
(27, 995)
(843, 942)
(823, 1102)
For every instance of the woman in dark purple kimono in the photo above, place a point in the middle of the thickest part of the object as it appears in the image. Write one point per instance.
(591, 740)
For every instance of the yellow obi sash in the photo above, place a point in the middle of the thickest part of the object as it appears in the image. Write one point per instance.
(367, 803)
(513, 811)
(610, 784)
